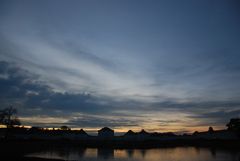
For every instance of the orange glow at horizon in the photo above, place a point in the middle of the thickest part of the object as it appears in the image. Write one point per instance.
(165, 121)
(138, 129)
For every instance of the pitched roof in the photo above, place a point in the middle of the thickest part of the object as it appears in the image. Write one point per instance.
(130, 132)
(105, 129)
(82, 132)
(143, 132)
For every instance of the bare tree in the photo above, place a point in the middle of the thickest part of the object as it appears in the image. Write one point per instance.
(8, 117)
(65, 128)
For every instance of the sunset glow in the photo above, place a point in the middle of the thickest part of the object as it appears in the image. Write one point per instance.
(166, 66)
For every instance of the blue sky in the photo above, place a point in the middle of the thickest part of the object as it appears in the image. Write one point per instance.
(159, 65)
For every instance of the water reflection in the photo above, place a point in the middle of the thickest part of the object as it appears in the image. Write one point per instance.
(164, 154)
(213, 152)
(130, 153)
(105, 153)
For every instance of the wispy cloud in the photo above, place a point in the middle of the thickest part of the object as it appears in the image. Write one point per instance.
(138, 65)
(38, 101)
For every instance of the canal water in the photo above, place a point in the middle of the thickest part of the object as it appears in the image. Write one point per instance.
(161, 154)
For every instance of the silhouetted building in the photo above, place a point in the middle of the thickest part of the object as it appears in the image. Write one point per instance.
(143, 133)
(130, 133)
(105, 132)
(217, 134)
(80, 134)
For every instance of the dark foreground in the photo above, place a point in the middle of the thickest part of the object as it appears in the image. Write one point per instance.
(19, 149)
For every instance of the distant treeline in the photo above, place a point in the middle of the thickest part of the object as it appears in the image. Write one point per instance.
(13, 130)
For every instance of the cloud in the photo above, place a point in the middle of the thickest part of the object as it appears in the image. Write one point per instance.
(19, 86)
(217, 117)
(57, 63)
(39, 105)
(97, 121)
(219, 114)
(71, 69)
(196, 105)
(67, 66)
(38, 101)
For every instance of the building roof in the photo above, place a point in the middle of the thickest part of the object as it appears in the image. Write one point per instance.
(105, 129)
(82, 132)
(130, 132)
(143, 132)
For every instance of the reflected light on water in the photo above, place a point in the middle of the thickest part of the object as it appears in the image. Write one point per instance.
(163, 154)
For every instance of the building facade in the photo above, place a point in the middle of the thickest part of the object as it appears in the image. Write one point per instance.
(106, 132)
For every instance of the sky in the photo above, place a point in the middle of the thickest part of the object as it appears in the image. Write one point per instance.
(158, 65)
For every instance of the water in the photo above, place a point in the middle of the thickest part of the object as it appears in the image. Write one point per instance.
(163, 154)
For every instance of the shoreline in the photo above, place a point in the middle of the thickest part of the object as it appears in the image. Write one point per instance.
(19, 149)
(123, 144)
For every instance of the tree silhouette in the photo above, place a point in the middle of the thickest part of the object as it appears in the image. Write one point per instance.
(8, 118)
(65, 128)
(210, 129)
(234, 124)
